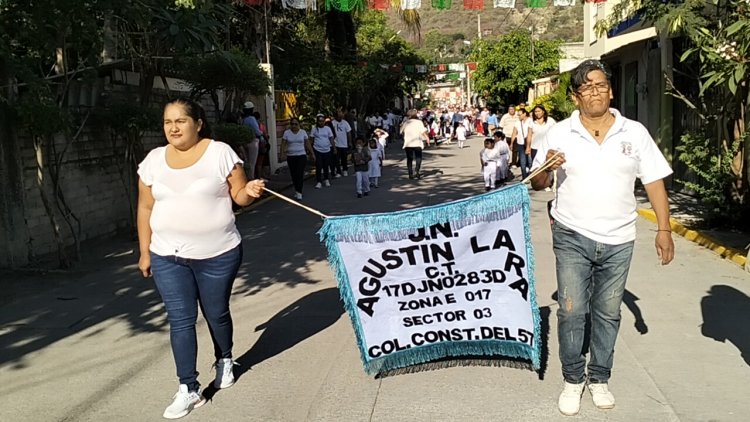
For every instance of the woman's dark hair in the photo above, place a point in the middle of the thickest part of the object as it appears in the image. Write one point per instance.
(194, 111)
(256, 115)
(581, 72)
(544, 111)
(499, 134)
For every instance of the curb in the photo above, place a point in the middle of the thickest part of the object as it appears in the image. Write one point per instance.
(734, 255)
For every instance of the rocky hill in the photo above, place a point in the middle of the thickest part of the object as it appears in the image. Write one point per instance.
(565, 23)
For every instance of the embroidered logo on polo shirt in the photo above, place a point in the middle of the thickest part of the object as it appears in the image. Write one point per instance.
(627, 148)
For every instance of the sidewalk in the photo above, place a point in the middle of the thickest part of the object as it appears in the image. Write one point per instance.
(93, 344)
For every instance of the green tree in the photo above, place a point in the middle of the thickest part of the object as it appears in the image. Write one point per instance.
(715, 90)
(506, 67)
(438, 47)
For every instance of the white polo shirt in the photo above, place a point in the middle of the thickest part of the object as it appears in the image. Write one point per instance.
(342, 129)
(595, 187)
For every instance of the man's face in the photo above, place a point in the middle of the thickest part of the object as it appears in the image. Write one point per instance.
(593, 97)
(512, 111)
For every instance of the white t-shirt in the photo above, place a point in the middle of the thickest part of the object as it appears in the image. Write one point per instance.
(522, 127)
(461, 133)
(595, 187)
(502, 148)
(295, 142)
(342, 129)
(489, 154)
(192, 215)
(539, 131)
(322, 137)
(414, 133)
(508, 122)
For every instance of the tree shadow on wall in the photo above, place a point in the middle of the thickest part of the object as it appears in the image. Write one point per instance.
(725, 313)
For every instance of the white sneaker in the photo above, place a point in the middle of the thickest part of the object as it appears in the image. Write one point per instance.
(224, 373)
(346, 173)
(327, 183)
(603, 399)
(569, 401)
(318, 185)
(183, 402)
(337, 176)
(297, 195)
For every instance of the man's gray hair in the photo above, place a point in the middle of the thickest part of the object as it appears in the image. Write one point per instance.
(580, 73)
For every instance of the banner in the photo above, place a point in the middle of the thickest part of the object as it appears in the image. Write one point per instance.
(411, 4)
(536, 4)
(441, 4)
(564, 3)
(473, 4)
(454, 279)
(300, 4)
(379, 4)
(504, 4)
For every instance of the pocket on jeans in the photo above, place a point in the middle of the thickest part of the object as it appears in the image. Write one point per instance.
(558, 227)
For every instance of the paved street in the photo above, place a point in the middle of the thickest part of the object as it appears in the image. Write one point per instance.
(93, 345)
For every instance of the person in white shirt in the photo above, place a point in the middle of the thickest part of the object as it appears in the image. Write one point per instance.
(597, 154)
(540, 124)
(343, 134)
(376, 162)
(503, 164)
(520, 139)
(488, 158)
(189, 243)
(323, 145)
(461, 135)
(415, 135)
(507, 124)
(297, 149)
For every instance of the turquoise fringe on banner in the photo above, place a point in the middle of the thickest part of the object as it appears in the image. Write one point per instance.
(492, 206)
(441, 4)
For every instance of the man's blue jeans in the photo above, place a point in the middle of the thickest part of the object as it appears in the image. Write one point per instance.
(184, 284)
(590, 280)
(524, 160)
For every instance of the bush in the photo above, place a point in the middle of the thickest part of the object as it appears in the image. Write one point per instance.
(713, 169)
(233, 134)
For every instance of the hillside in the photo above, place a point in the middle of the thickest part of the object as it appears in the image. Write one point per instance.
(564, 23)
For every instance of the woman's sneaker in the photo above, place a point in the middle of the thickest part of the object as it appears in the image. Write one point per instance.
(224, 373)
(183, 402)
(569, 401)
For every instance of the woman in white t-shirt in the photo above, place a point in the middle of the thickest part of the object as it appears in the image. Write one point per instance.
(415, 135)
(189, 242)
(538, 130)
(297, 149)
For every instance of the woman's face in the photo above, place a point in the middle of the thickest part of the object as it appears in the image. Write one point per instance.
(538, 113)
(179, 128)
(294, 125)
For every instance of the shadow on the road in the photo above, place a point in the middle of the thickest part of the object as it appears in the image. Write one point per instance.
(629, 299)
(725, 314)
(544, 314)
(292, 325)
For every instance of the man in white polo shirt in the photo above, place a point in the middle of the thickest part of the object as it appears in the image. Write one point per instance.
(593, 225)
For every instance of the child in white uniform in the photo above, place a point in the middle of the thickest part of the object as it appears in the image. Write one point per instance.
(489, 157)
(503, 164)
(376, 162)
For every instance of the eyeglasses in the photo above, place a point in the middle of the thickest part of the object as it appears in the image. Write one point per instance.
(591, 89)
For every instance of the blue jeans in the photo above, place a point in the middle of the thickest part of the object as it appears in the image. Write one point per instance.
(590, 280)
(524, 161)
(184, 284)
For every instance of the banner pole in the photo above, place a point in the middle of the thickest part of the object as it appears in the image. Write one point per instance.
(293, 202)
(544, 167)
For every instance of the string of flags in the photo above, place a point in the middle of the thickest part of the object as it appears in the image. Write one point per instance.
(382, 5)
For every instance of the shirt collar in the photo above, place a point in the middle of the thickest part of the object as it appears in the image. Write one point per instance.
(577, 126)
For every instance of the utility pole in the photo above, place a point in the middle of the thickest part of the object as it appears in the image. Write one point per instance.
(268, 42)
(479, 26)
(531, 39)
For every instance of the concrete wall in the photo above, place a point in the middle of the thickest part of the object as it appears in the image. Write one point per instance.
(94, 189)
